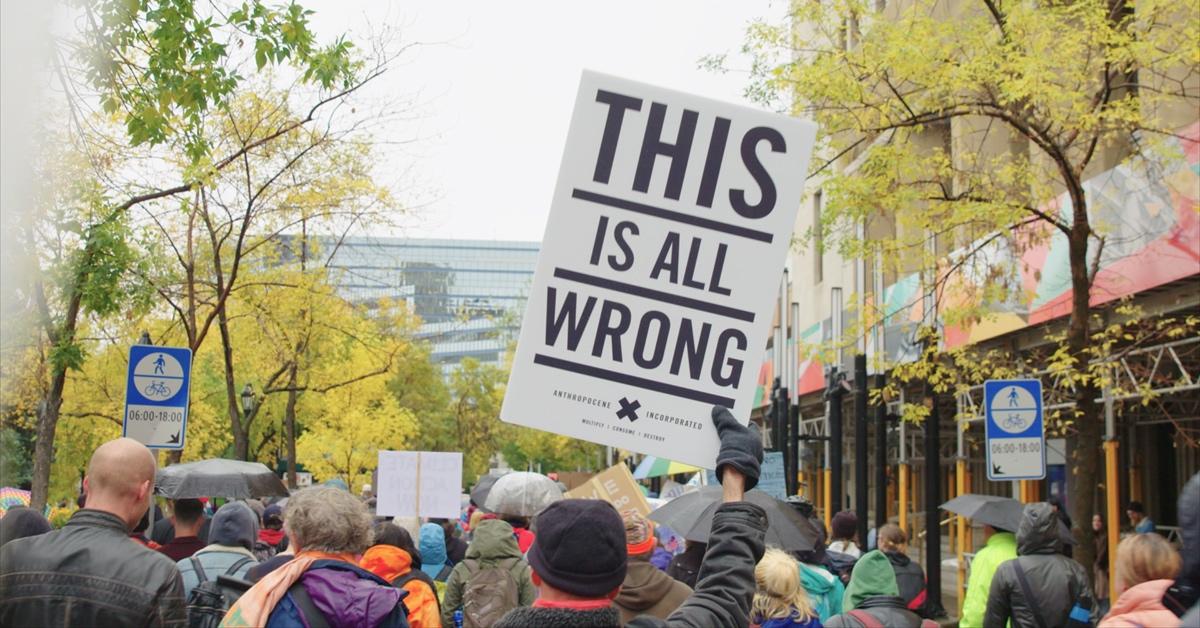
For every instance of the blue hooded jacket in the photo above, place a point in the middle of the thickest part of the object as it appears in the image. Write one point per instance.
(433, 550)
(825, 590)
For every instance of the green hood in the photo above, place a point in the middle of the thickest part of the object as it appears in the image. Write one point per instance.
(872, 576)
(493, 540)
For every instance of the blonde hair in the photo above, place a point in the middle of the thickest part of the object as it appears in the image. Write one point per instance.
(779, 593)
(1145, 557)
(891, 538)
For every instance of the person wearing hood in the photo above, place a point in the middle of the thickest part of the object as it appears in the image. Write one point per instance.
(389, 559)
(456, 548)
(646, 590)
(229, 552)
(1183, 596)
(999, 545)
(872, 597)
(1146, 567)
(825, 590)
(910, 578)
(493, 545)
(328, 529)
(435, 562)
(1052, 584)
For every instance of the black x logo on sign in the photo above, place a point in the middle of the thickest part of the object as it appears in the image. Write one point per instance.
(628, 409)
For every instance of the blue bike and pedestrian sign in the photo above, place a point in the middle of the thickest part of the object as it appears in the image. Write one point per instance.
(156, 395)
(1016, 434)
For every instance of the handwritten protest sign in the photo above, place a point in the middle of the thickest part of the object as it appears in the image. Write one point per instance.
(616, 486)
(661, 260)
(419, 484)
(772, 479)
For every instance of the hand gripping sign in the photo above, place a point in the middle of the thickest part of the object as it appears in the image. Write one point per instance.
(659, 268)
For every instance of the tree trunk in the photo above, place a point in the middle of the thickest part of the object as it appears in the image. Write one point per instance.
(1083, 451)
(241, 430)
(289, 418)
(43, 450)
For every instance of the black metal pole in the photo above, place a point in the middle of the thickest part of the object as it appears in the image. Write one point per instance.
(933, 531)
(793, 447)
(776, 428)
(881, 440)
(835, 441)
(862, 448)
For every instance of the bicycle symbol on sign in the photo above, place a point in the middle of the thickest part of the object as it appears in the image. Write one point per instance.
(157, 389)
(1014, 421)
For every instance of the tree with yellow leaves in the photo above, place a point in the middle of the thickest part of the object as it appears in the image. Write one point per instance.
(955, 124)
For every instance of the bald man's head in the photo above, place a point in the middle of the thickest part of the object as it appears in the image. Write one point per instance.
(120, 477)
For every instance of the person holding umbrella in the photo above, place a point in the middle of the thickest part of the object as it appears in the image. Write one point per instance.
(999, 516)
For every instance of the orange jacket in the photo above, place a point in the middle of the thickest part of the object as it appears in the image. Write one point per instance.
(390, 562)
(1141, 605)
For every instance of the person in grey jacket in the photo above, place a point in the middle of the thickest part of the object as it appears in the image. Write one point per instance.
(1055, 582)
(234, 531)
(580, 554)
(90, 573)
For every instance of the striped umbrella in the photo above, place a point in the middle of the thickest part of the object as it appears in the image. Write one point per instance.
(11, 497)
(652, 467)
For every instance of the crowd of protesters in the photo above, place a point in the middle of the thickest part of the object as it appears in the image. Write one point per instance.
(322, 559)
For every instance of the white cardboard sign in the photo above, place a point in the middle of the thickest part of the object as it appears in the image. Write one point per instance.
(659, 268)
(419, 484)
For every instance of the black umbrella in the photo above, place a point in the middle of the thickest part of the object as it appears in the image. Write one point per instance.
(691, 515)
(480, 491)
(998, 512)
(218, 477)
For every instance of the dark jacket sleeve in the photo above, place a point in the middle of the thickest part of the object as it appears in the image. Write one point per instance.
(171, 608)
(999, 603)
(452, 599)
(725, 586)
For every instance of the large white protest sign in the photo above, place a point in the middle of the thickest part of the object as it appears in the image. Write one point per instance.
(652, 301)
(419, 484)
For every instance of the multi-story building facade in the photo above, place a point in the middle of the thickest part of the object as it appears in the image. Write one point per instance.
(469, 294)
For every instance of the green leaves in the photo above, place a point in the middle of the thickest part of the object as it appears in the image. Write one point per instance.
(164, 65)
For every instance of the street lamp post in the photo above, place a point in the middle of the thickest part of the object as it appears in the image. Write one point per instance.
(248, 403)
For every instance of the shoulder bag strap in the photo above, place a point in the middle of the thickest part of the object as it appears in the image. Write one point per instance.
(238, 565)
(866, 619)
(1027, 591)
(200, 575)
(304, 603)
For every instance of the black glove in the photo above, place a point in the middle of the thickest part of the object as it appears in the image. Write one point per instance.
(741, 446)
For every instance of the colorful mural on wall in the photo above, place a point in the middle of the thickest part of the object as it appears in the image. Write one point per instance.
(1149, 212)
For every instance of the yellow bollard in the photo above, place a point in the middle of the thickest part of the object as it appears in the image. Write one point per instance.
(826, 481)
(1112, 525)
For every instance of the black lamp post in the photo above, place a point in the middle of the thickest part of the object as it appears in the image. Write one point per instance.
(248, 399)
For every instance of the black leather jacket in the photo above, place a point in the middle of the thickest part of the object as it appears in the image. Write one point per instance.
(89, 573)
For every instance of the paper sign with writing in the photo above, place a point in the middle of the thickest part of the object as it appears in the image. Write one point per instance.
(616, 486)
(772, 479)
(660, 265)
(419, 484)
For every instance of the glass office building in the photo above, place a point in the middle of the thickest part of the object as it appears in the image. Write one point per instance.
(469, 294)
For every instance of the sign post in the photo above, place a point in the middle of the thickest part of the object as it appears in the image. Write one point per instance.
(1016, 435)
(659, 270)
(156, 395)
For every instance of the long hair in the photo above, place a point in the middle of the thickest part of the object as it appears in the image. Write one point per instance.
(779, 593)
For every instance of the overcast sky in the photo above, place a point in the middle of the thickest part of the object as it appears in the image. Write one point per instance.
(497, 81)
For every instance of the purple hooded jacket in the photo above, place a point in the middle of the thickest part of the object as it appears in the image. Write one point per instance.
(347, 596)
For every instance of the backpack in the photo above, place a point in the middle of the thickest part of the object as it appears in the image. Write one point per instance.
(209, 600)
(868, 620)
(490, 592)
